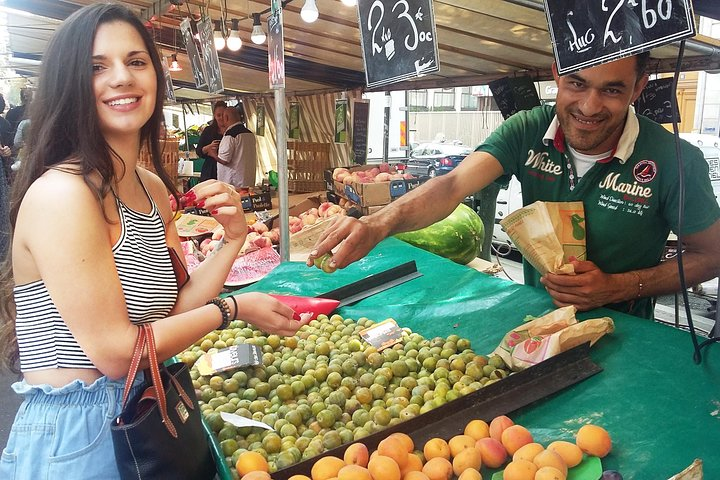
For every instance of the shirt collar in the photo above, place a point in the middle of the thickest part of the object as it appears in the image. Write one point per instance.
(555, 136)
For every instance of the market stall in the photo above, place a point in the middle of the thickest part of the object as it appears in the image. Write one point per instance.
(661, 409)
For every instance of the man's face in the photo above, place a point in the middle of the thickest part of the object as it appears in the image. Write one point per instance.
(592, 104)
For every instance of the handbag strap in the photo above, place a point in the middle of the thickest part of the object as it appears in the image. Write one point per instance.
(181, 391)
(147, 337)
(157, 380)
(134, 365)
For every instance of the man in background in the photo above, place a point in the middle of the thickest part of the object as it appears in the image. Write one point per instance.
(209, 142)
(237, 155)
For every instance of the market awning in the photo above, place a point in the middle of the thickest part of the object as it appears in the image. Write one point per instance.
(478, 40)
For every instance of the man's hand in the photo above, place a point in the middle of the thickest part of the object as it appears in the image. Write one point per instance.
(589, 288)
(355, 237)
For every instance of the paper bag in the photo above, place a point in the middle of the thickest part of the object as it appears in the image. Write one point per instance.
(548, 233)
(549, 335)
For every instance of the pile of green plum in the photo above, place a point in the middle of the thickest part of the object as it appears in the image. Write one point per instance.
(326, 386)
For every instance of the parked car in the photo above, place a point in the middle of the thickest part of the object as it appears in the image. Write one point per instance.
(432, 159)
(509, 199)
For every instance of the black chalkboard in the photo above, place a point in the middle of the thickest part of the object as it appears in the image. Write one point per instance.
(655, 101)
(210, 56)
(193, 52)
(398, 40)
(513, 94)
(360, 117)
(587, 33)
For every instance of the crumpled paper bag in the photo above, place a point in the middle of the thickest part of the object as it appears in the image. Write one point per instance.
(549, 335)
(548, 234)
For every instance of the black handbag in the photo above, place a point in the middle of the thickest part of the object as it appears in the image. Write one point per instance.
(159, 434)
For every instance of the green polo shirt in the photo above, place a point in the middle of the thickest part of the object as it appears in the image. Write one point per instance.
(631, 202)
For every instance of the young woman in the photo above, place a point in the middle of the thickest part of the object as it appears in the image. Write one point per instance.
(90, 253)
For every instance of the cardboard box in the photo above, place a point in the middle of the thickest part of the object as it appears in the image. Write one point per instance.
(370, 194)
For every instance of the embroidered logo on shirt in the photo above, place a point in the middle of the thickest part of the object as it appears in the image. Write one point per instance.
(645, 171)
(541, 162)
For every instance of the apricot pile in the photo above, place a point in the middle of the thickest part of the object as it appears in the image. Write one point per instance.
(463, 457)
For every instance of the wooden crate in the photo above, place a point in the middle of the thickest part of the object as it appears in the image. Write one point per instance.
(170, 155)
(306, 163)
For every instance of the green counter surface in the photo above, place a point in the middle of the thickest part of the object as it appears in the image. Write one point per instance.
(661, 409)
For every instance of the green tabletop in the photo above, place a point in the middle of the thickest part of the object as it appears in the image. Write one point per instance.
(661, 409)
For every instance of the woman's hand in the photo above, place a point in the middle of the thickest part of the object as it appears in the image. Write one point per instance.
(223, 203)
(267, 313)
(5, 151)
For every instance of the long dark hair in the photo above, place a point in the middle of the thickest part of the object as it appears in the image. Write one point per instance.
(65, 130)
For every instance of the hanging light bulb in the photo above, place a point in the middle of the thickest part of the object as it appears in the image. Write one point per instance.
(309, 11)
(258, 35)
(218, 36)
(350, 3)
(174, 64)
(234, 42)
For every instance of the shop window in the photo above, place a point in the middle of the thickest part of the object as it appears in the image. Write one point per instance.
(444, 100)
(468, 101)
(418, 100)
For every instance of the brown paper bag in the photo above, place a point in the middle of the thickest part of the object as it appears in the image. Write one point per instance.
(548, 233)
(546, 336)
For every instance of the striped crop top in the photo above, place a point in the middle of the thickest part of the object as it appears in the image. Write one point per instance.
(148, 283)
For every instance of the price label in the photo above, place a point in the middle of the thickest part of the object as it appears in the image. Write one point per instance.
(382, 335)
(276, 50)
(398, 38)
(585, 33)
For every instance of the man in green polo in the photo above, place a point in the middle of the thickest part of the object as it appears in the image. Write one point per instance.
(590, 147)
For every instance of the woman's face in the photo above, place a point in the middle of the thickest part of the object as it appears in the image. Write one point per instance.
(124, 81)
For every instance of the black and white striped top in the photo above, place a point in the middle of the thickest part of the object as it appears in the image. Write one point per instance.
(148, 282)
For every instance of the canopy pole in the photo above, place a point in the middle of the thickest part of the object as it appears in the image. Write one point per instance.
(281, 139)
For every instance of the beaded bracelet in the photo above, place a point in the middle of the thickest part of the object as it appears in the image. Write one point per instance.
(224, 310)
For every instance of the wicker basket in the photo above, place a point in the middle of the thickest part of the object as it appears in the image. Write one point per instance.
(170, 148)
(306, 163)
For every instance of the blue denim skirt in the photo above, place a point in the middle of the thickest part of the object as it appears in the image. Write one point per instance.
(64, 433)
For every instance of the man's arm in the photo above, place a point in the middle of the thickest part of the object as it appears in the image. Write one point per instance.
(592, 288)
(423, 206)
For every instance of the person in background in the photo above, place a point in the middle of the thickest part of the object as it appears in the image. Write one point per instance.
(237, 155)
(16, 114)
(19, 142)
(6, 129)
(209, 142)
(590, 147)
(71, 305)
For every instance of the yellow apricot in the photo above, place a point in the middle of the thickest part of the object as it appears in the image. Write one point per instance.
(528, 452)
(570, 453)
(594, 440)
(436, 447)
(459, 443)
(477, 429)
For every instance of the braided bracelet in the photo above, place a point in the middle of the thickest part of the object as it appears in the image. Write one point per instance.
(224, 310)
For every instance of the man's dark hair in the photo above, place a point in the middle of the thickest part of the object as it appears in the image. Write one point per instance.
(642, 60)
(219, 104)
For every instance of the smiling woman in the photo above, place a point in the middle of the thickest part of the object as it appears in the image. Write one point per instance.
(73, 301)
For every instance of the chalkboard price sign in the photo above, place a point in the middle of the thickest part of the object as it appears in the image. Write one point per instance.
(360, 117)
(655, 101)
(398, 40)
(513, 94)
(587, 33)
